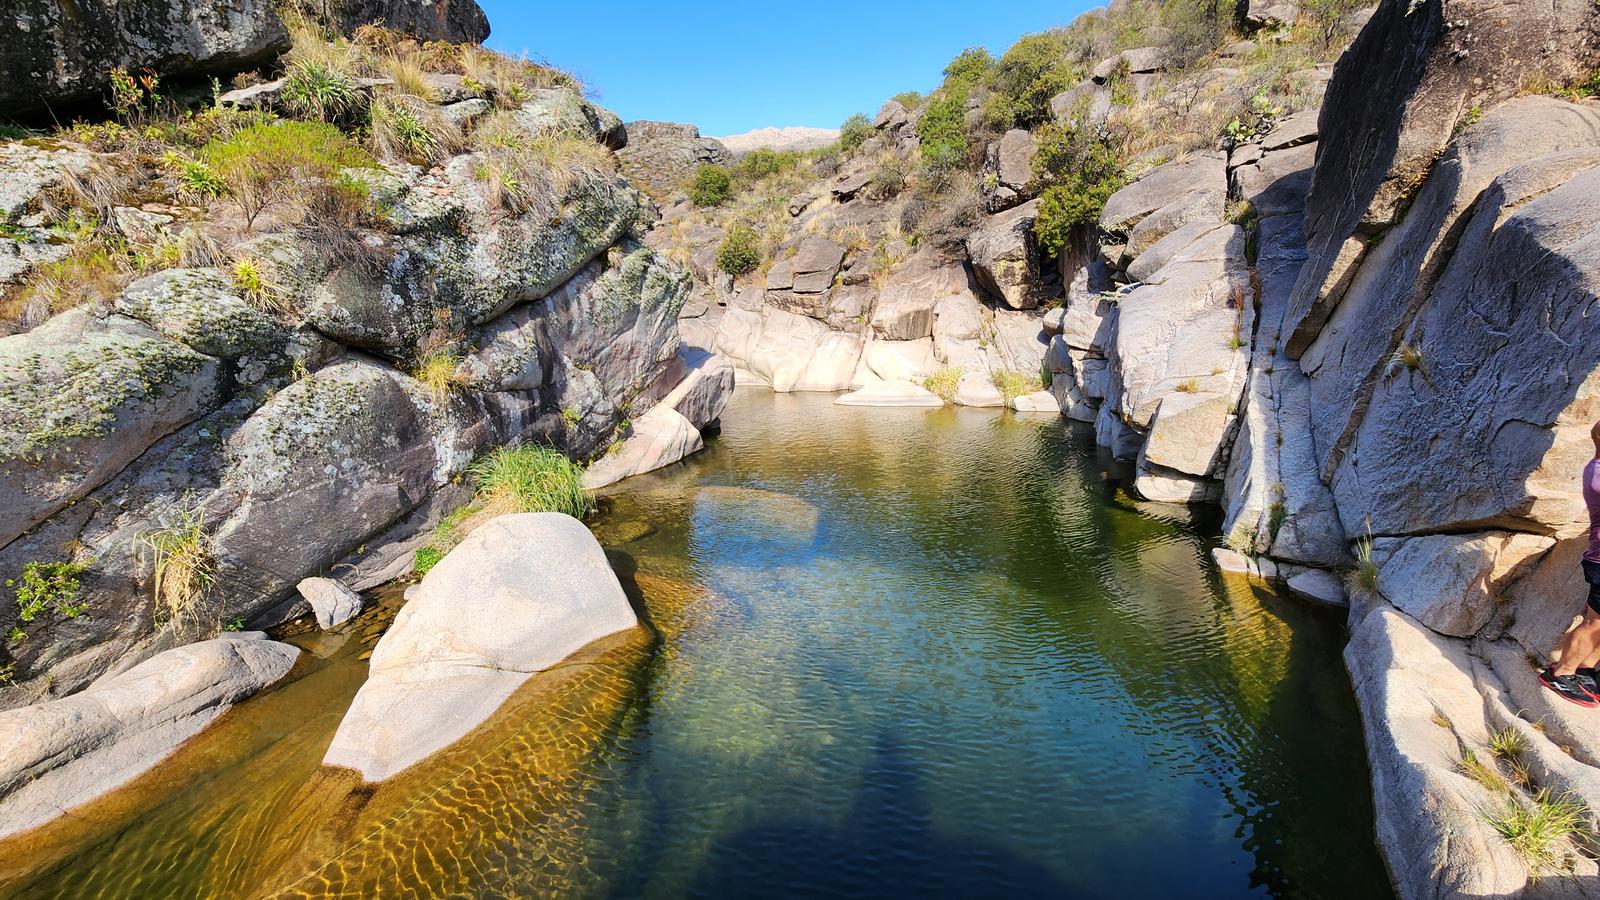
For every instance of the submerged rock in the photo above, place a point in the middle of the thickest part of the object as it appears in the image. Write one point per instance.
(57, 756)
(519, 595)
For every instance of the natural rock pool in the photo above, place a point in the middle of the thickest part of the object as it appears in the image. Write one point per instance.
(901, 653)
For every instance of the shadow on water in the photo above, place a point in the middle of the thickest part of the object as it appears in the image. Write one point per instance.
(886, 846)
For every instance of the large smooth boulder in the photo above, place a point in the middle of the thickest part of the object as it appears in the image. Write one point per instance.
(356, 443)
(1007, 260)
(1202, 295)
(658, 438)
(1161, 186)
(80, 398)
(57, 756)
(201, 308)
(61, 52)
(519, 595)
(1188, 431)
(1407, 681)
(705, 389)
(1397, 96)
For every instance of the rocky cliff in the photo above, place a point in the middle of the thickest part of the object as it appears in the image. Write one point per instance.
(254, 346)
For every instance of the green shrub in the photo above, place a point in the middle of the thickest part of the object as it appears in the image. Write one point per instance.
(942, 131)
(530, 479)
(1196, 27)
(765, 163)
(854, 132)
(711, 185)
(969, 67)
(908, 99)
(45, 586)
(1012, 384)
(1035, 69)
(265, 164)
(321, 90)
(740, 251)
(1079, 170)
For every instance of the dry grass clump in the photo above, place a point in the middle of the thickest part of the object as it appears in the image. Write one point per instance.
(184, 568)
(944, 382)
(519, 169)
(403, 127)
(440, 373)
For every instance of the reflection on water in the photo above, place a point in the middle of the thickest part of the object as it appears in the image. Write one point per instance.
(898, 652)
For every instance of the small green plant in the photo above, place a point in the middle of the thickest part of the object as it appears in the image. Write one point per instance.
(944, 382)
(1540, 829)
(711, 185)
(425, 559)
(16, 635)
(235, 624)
(195, 178)
(530, 479)
(1507, 743)
(1473, 116)
(854, 132)
(45, 586)
(184, 567)
(1011, 384)
(320, 90)
(740, 251)
(1277, 514)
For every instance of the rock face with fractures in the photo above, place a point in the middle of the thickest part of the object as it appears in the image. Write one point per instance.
(552, 325)
(519, 595)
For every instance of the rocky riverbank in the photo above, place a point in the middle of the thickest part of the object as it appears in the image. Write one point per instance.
(1359, 322)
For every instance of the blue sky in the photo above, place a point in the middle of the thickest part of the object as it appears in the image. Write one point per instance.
(733, 66)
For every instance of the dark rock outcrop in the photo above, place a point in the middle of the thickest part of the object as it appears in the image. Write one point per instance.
(660, 156)
(61, 52)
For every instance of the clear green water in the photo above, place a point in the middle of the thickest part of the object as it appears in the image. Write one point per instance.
(900, 653)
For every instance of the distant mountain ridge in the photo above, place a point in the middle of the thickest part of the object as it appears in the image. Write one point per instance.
(792, 137)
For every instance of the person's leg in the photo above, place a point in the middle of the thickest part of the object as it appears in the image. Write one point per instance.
(1580, 646)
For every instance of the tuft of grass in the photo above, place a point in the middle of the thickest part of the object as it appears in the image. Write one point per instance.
(521, 168)
(439, 372)
(402, 127)
(1483, 772)
(530, 479)
(252, 280)
(944, 382)
(1507, 743)
(1012, 384)
(1365, 575)
(184, 567)
(1540, 829)
(1192, 386)
(1410, 356)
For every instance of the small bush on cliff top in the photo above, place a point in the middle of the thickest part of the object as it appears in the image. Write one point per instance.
(1035, 69)
(530, 479)
(740, 251)
(710, 186)
(854, 132)
(1079, 170)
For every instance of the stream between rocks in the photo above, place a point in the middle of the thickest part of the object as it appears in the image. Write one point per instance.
(900, 652)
